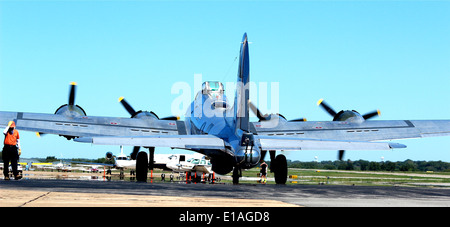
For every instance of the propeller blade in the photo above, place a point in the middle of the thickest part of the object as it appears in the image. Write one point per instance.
(341, 154)
(262, 117)
(133, 154)
(172, 118)
(256, 111)
(326, 107)
(72, 93)
(39, 134)
(371, 114)
(299, 119)
(127, 106)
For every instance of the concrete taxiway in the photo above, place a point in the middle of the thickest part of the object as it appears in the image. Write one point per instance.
(57, 192)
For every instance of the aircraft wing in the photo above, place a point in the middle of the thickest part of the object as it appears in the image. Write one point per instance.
(91, 126)
(366, 131)
(292, 143)
(173, 141)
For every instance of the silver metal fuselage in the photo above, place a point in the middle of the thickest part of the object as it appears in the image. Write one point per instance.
(210, 114)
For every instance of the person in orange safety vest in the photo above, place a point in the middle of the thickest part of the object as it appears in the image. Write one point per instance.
(11, 150)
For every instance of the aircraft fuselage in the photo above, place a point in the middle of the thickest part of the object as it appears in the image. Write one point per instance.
(211, 114)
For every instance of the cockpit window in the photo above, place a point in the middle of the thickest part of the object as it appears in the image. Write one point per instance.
(209, 87)
(214, 86)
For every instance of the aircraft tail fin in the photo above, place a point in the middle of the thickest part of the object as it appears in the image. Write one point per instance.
(241, 101)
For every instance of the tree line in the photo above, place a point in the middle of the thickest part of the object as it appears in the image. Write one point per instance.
(98, 160)
(54, 159)
(363, 165)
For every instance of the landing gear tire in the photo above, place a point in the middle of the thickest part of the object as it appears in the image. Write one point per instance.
(281, 170)
(236, 175)
(141, 167)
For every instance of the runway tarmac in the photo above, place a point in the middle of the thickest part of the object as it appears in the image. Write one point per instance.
(122, 193)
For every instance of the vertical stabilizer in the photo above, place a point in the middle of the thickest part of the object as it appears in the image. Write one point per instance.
(242, 97)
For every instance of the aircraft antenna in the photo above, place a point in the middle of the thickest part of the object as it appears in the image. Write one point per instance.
(229, 68)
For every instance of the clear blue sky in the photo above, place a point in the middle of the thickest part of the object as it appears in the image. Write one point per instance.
(363, 55)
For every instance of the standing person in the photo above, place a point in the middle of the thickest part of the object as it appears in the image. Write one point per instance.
(11, 150)
(263, 172)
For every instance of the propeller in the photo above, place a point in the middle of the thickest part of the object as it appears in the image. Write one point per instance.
(326, 107)
(141, 114)
(298, 119)
(372, 114)
(70, 109)
(258, 113)
(127, 106)
(346, 115)
(343, 115)
(341, 154)
(72, 93)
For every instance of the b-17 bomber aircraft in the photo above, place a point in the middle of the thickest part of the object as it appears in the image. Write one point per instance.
(223, 132)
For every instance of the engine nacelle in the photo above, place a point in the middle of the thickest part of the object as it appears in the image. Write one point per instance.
(349, 116)
(109, 156)
(145, 114)
(70, 111)
(272, 117)
(280, 117)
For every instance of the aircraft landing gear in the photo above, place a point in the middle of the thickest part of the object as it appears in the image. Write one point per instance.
(141, 167)
(281, 170)
(237, 172)
(278, 165)
(143, 164)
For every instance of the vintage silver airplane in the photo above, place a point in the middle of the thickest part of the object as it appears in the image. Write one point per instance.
(223, 132)
(177, 163)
